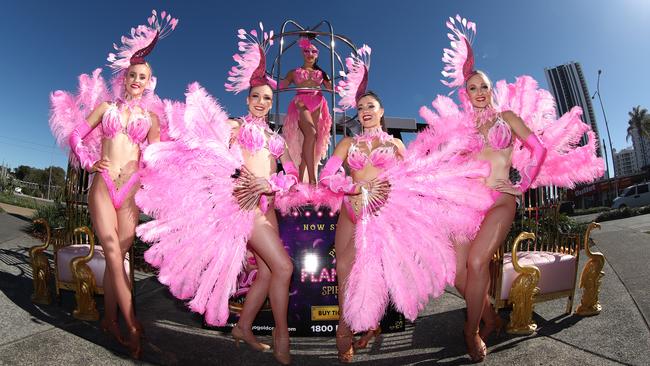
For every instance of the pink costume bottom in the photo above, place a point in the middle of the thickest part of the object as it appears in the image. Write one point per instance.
(119, 194)
(495, 194)
(313, 100)
(350, 209)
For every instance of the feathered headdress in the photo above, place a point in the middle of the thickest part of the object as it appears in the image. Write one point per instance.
(459, 60)
(304, 43)
(142, 40)
(250, 70)
(355, 81)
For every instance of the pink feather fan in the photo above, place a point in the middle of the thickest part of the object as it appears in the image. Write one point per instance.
(404, 252)
(199, 233)
(571, 145)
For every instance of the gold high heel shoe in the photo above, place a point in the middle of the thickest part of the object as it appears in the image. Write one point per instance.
(134, 345)
(239, 335)
(346, 353)
(367, 337)
(112, 328)
(476, 350)
(283, 357)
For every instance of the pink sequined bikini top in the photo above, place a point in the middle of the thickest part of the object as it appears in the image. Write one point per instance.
(382, 156)
(137, 127)
(301, 75)
(499, 136)
(253, 134)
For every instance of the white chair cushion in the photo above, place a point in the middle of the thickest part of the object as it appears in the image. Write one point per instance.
(96, 264)
(557, 271)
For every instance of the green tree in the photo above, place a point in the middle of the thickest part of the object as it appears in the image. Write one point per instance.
(639, 122)
(22, 171)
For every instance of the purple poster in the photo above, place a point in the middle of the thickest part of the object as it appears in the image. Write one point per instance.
(308, 237)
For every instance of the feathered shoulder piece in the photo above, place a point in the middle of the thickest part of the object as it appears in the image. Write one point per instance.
(250, 68)
(355, 80)
(459, 59)
(67, 110)
(141, 41)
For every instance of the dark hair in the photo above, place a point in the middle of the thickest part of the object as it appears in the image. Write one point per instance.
(370, 93)
(316, 67)
(250, 90)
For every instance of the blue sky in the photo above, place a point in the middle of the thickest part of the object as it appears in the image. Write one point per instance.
(46, 45)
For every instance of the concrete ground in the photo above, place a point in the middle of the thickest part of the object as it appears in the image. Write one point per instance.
(36, 335)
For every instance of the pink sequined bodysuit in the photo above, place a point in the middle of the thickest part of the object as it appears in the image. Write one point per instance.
(253, 134)
(136, 129)
(382, 157)
(499, 137)
(312, 100)
(301, 75)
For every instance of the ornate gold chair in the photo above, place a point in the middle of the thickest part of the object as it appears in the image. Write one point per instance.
(79, 267)
(79, 263)
(535, 268)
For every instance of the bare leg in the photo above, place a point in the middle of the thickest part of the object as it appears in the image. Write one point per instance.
(308, 129)
(104, 218)
(492, 233)
(267, 244)
(344, 247)
(107, 223)
(255, 298)
(256, 294)
(127, 217)
(488, 316)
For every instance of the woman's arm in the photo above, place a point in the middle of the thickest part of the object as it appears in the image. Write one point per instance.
(82, 130)
(328, 84)
(532, 143)
(401, 149)
(153, 135)
(287, 80)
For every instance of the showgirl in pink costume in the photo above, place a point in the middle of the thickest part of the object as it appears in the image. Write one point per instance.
(107, 137)
(517, 128)
(393, 237)
(307, 124)
(204, 222)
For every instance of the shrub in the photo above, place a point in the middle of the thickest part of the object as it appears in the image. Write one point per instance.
(623, 213)
(55, 215)
(588, 211)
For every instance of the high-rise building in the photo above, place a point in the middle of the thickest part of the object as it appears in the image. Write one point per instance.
(625, 162)
(641, 148)
(568, 85)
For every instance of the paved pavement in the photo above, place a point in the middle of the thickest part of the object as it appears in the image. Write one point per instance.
(36, 335)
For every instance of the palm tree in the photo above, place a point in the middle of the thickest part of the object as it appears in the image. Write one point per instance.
(640, 122)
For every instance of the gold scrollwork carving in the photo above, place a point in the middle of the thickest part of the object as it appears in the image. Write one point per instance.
(85, 285)
(41, 271)
(522, 293)
(591, 278)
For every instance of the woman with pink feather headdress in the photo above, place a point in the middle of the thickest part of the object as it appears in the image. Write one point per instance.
(516, 127)
(106, 136)
(393, 236)
(204, 223)
(307, 123)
